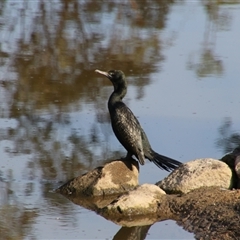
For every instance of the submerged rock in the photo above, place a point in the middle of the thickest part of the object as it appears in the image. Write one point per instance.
(205, 172)
(117, 176)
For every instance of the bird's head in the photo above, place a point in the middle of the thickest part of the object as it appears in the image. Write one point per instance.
(117, 77)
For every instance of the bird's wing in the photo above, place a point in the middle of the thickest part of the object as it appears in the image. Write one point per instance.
(128, 130)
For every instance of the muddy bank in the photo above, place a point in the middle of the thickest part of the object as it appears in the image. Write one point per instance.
(210, 213)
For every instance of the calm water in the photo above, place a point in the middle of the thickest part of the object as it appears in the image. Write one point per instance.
(181, 59)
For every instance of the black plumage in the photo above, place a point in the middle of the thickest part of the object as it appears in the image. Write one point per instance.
(128, 129)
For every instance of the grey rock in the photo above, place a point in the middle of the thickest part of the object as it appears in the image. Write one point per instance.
(205, 172)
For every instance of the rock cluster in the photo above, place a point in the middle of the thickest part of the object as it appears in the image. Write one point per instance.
(202, 187)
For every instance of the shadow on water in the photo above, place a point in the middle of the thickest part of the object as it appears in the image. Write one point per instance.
(53, 120)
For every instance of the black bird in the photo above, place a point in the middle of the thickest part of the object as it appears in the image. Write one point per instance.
(128, 129)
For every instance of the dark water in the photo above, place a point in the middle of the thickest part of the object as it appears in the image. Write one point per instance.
(181, 59)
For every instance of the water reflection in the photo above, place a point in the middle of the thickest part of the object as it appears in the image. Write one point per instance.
(53, 117)
(209, 62)
(228, 139)
(138, 233)
(16, 220)
(48, 53)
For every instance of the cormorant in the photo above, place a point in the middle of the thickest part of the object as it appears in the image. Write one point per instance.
(128, 129)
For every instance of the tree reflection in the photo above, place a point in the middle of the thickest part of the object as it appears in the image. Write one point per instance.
(16, 220)
(228, 139)
(210, 64)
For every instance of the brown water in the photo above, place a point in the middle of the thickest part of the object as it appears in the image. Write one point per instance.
(181, 59)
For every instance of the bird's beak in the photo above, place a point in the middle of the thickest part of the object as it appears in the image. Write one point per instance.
(103, 73)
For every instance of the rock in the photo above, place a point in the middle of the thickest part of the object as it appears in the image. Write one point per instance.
(117, 176)
(142, 201)
(229, 159)
(232, 159)
(237, 170)
(198, 173)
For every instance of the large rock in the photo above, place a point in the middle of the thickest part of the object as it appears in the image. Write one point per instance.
(198, 173)
(237, 170)
(117, 176)
(142, 201)
(232, 159)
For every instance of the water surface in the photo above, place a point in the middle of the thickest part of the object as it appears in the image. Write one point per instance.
(181, 59)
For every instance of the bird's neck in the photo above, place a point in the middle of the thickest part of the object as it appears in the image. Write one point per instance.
(117, 95)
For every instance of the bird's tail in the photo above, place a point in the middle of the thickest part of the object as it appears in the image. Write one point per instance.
(164, 162)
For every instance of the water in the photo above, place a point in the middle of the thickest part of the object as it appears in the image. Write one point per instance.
(181, 61)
